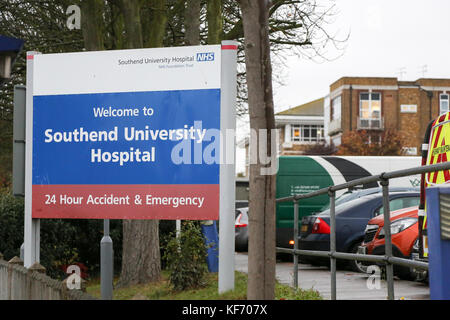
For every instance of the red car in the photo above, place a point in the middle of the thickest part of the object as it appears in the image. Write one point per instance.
(404, 233)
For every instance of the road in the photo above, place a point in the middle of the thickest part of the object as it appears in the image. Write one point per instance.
(350, 285)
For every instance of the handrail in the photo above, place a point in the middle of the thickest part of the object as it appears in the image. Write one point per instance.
(388, 259)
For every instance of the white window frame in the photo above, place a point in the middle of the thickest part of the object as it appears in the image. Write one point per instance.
(442, 100)
(301, 139)
(370, 104)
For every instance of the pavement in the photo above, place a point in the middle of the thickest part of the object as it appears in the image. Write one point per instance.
(350, 285)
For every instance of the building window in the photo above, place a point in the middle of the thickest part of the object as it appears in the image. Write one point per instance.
(443, 103)
(370, 105)
(336, 108)
(307, 133)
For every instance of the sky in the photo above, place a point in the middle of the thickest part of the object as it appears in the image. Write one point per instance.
(387, 38)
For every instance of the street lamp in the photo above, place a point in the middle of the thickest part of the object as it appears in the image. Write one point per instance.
(9, 49)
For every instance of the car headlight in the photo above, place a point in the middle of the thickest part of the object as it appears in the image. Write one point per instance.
(400, 225)
(371, 227)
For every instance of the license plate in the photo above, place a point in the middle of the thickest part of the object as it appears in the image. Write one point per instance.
(304, 228)
(361, 250)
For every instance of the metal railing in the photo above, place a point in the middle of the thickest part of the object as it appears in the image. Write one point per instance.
(388, 259)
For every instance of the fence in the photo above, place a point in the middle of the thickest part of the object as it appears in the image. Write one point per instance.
(388, 259)
(19, 283)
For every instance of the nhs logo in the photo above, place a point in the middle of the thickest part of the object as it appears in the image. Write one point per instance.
(205, 56)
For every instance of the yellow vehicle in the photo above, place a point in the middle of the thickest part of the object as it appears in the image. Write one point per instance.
(435, 149)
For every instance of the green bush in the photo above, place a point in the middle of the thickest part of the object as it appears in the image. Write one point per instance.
(63, 242)
(185, 258)
(11, 225)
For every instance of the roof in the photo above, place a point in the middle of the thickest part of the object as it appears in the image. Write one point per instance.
(312, 108)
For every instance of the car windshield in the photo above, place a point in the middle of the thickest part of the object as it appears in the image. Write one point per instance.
(345, 205)
(346, 196)
(410, 201)
(353, 194)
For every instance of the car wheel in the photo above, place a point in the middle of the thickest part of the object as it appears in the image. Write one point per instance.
(241, 246)
(405, 273)
(356, 265)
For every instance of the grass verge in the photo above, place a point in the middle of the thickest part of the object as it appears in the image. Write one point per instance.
(162, 291)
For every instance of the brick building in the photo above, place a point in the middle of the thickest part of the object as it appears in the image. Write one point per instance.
(376, 104)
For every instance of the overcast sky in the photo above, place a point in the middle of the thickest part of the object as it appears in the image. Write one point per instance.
(386, 37)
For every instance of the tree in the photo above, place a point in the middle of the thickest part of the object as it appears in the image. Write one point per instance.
(261, 252)
(214, 17)
(295, 28)
(192, 22)
(141, 260)
(42, 25)
(364, 143)
(92, 24)
(116, 24)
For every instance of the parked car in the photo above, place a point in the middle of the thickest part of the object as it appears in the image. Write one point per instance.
(353, 194)
(303, 174)
(241, 230)
(241, 223)
(351, 221)
(404, 235)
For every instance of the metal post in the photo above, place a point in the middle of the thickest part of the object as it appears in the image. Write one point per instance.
(178, 228)
(106, 263)
(332, 196)
(31, 226)
(227, 168)
(19, 136)
(295, 244)
(388, 241)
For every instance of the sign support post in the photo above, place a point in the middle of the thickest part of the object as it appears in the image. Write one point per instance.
(227, 166)
(106, 263)
(32, 226)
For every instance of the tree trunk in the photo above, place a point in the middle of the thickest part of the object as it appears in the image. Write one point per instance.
(141, 259)
(116, 38)
(261, 252)
(92, 24)
(156, 27)
(132, 21)
(214, 17)
(192, 22)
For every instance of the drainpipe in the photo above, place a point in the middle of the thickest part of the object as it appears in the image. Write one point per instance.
(351, 94)
(430, 96)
